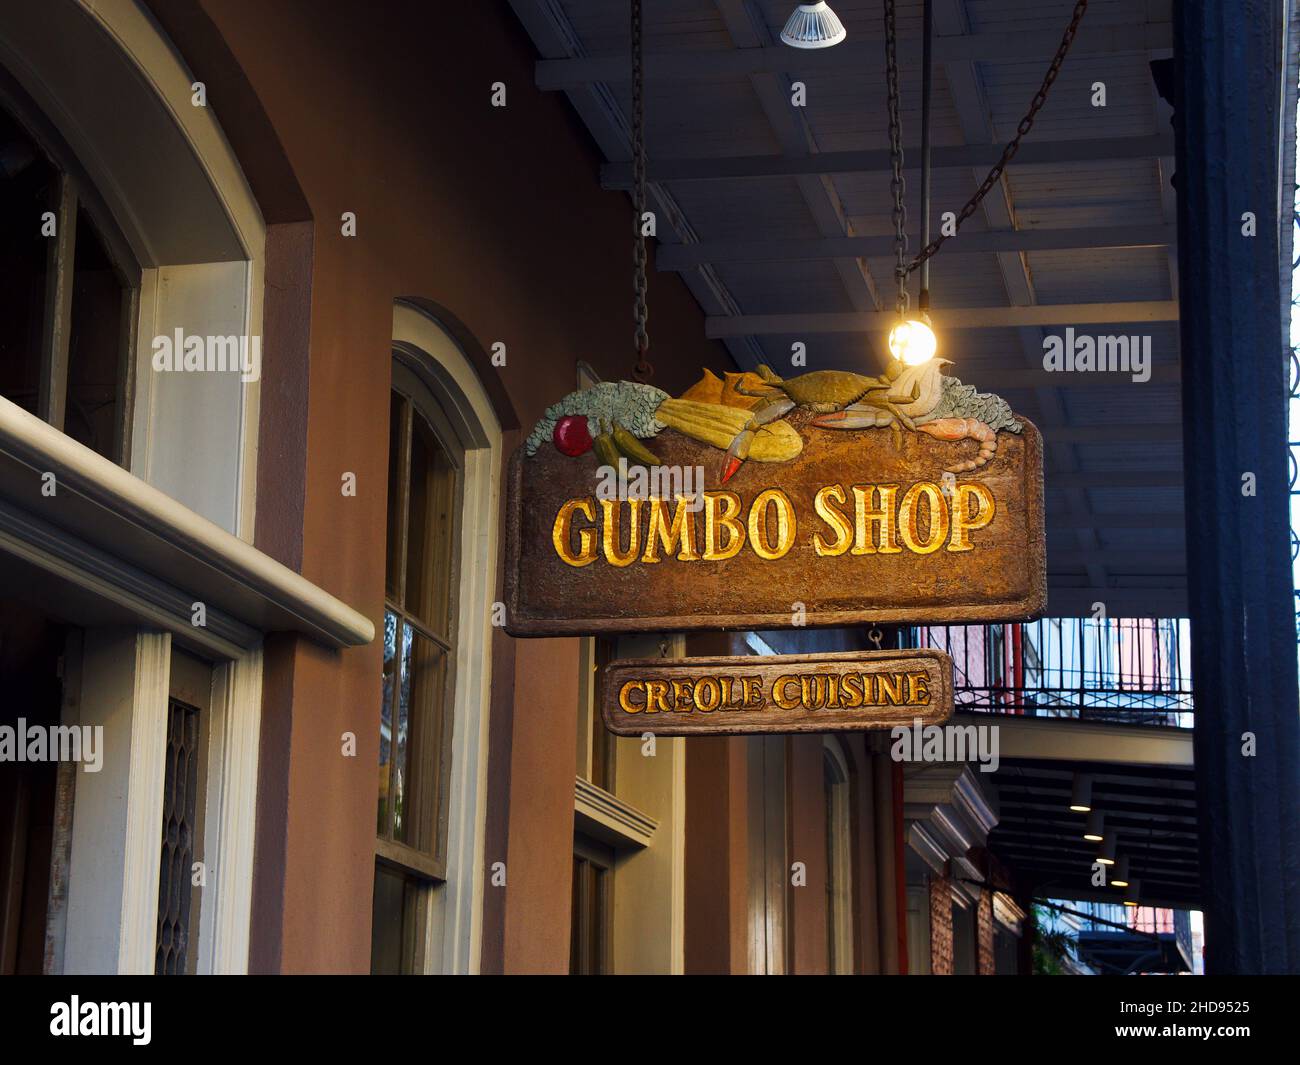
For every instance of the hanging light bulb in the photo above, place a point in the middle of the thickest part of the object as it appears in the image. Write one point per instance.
(813, 26)
(1093, 831)
(1119, 877)
(912, 342)
(1081, 794)
(1107, 854)
(1132, 893)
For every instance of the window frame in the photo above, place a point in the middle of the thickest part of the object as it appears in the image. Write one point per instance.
(426, 864)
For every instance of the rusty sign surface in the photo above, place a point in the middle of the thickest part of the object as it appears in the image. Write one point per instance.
(814, 518)
(737, 694)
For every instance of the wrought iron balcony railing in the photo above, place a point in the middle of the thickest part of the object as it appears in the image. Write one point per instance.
(1127, 670)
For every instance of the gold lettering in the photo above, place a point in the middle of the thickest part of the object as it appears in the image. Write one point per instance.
(909, 518)
(753, 698)
(785, 702)
(851, 688)
(891, 688)
(918, 689)
(682, 696)
(612, 541)
(625, 697)
(680, 534)
(561, 534)
(785, 524)
(705, 703)
(835, 519)
(656, 697)
(964, 519)
(883, 516)
(716, 521)
(814, 691)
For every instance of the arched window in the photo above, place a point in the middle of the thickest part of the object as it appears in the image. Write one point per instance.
(443, 461)
(839, 857)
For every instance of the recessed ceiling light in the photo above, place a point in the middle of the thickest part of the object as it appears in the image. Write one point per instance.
(1081, 794)
(1094, 830)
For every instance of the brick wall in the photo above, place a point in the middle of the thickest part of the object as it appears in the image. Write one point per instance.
(984, 935)
(940, 927)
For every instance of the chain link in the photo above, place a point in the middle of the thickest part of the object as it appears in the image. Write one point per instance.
(1026, 124)
(643, 370)
(896, 182)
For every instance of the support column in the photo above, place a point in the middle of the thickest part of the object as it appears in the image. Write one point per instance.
(1229, 134)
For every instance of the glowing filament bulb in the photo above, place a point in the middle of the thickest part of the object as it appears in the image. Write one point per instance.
(912, 342)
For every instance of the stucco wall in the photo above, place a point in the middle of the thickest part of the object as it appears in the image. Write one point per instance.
(497, 216)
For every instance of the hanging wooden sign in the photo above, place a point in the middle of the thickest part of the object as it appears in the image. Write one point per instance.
(848, 690)
(752, 502)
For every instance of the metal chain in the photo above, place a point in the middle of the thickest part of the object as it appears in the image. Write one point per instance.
(896, 183)
(643, 370)
(1026, 124)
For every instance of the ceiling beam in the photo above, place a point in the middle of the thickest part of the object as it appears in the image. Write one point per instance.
(686, 257)
(1031, 153)
(601, 113)
(1146, 433)
(1086, 741)
(790, 125)
(1119, 560)
(997, 378)
(1058, 789)
(852, 57)
(1177, 898)
(1135, 312)
(1121, 479)
(1168, 603)
(1126, 520)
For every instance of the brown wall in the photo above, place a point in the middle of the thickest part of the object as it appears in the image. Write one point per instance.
(808, 905)
(984, 959)
(940, 926)
(496, 215)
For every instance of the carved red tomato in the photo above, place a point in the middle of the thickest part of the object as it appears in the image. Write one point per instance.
(572, 437)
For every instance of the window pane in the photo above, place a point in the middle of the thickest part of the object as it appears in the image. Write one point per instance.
(392, 578)
(420, 718)
(180, 800)
(95, 346)
(429, 529)
(26, 180)
(398, 779)
(395, 922)
(386, 720)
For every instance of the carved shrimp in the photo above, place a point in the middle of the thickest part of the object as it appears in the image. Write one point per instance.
(964, 429)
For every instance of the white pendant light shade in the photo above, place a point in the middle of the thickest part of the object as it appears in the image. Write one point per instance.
(1081, 794)
(1119, 875)
(1094, 830)
(813, 26)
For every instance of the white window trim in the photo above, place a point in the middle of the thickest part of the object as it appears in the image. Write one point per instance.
(456, 906)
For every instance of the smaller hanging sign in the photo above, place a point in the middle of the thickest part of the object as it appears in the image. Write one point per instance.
(731, 695)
